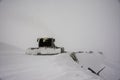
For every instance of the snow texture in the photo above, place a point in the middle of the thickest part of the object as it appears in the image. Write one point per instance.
(31, 67)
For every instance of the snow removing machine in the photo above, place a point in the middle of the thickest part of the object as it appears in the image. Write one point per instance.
(46, 46)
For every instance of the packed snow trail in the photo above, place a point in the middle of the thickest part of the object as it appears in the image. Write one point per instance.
(31, 67)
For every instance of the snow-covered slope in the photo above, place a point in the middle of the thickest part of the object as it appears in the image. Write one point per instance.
(97, 62)
(27, 67)
(6, 48)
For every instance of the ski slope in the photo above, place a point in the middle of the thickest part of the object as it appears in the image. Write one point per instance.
(30, 67)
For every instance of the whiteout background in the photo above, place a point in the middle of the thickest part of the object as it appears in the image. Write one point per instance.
(75, 24)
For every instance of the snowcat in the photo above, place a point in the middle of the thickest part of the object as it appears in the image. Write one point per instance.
(46, 46)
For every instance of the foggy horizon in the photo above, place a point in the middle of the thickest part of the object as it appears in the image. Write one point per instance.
(76, 25)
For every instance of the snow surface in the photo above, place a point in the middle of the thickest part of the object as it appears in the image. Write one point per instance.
(29, 67)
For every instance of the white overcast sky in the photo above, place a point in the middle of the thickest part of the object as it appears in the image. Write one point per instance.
(75, 24)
